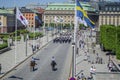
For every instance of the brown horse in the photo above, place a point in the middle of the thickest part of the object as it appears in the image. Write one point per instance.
(32, 65)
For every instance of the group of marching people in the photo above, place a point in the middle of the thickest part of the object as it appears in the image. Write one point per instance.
(63, 38)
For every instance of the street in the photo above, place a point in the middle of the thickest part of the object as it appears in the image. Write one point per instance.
(43, 70)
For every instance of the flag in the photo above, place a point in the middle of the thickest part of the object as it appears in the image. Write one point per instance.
(21, 18)
(39, 20)
(88, 21)
(79, 10)
(82, 21)
(83, 17)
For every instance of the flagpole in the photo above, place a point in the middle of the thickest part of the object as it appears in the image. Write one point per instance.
(26, 42)
(44, 26)
(34, 33)
(16, 35)
(47, 29)
(74, 44)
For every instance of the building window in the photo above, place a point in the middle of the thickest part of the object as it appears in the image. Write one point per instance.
(118, 8)
(105, 19)
(106, 9)
(113, 20)
(113, 8)
(110, 9)
(109, 19)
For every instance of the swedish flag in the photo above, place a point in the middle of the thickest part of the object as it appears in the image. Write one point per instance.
(79, 10)
(88, 21)
(83, 15)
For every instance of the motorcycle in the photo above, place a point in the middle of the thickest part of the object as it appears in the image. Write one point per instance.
(53, 64)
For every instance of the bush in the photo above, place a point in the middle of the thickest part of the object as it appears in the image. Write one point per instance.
(35, 35)
(4, 45)
(18, 38)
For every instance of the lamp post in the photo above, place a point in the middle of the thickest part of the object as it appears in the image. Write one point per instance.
(27, 37)
(73, 59)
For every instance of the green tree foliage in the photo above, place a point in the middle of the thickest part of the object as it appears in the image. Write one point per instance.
(35, 35)
(118, 43)
(4, 45)
(103, 34)
(110, 38)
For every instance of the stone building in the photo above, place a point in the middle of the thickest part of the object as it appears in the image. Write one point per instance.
(109, 13)
(66, 12)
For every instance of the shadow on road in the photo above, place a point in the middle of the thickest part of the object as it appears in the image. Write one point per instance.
(16, 77)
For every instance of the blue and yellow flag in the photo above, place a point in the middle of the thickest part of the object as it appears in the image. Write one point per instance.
(79, 10)
(83, 15)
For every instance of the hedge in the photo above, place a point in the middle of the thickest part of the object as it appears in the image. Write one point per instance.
(118, 43)
(110, 38)
(35, 35)
(4, 45)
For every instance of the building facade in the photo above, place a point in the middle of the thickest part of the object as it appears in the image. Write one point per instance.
(64, 11)
(3, 24)
(30, 15)
(109, 14)
(7, 20)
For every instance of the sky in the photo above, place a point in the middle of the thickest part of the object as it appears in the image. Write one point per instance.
(20, 3)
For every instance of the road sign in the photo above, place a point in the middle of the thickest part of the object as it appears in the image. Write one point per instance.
(72, 78)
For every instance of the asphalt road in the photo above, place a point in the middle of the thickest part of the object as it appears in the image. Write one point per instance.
(62, 54)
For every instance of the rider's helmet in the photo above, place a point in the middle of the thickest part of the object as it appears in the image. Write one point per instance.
(53, 58)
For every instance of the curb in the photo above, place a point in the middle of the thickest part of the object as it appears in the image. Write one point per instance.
(24, 60)
(107, 72)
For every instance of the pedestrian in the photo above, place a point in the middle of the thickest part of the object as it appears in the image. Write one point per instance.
(94, 51)
(82, 76)
(0, 68)
(78, 78)
(92, 70)
(110, 66)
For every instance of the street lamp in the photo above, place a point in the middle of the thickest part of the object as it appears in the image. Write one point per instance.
(73, 59)
(27, 37)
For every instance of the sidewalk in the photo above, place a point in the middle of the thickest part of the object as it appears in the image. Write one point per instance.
(7, 59)
(83, 66)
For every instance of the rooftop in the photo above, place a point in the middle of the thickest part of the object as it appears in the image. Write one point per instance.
(5, 11)
(68, 6)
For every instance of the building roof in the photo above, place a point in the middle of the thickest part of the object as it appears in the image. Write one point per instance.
(109, 6)
(25, 10)
(68, 6)
(5, 11)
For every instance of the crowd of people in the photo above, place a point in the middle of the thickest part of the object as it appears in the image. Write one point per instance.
(63, 38)
(82, 37)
